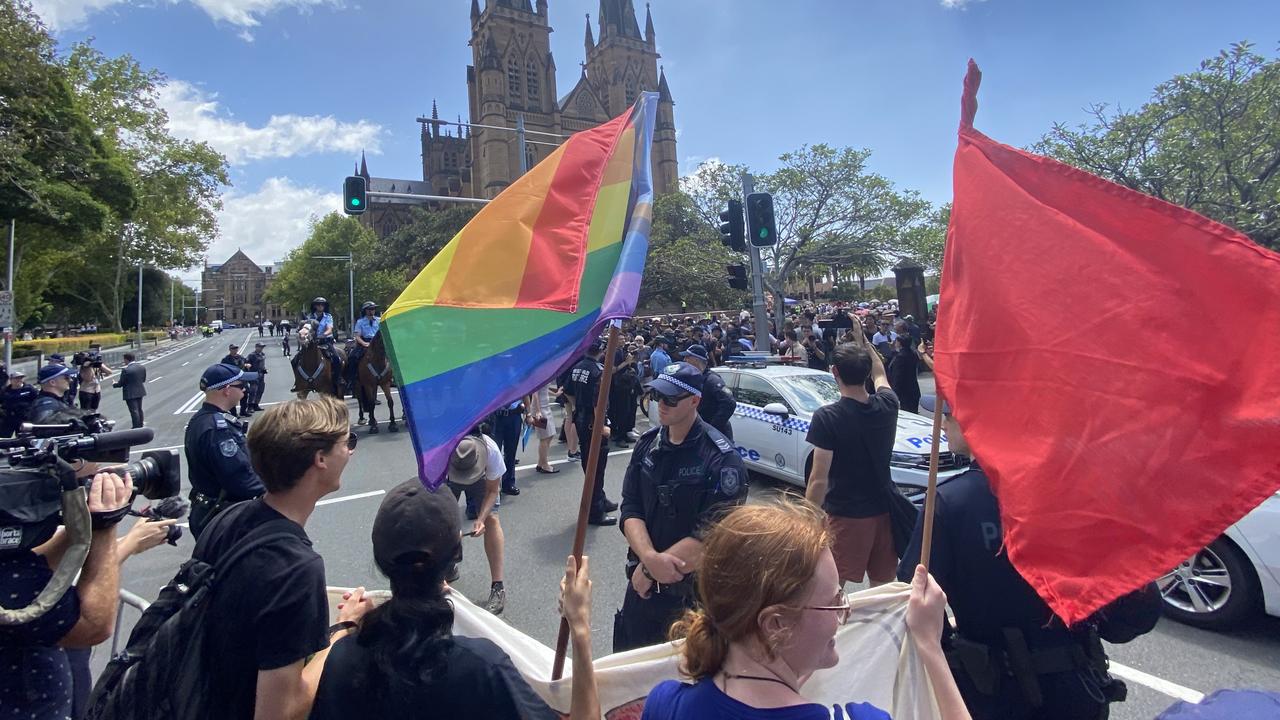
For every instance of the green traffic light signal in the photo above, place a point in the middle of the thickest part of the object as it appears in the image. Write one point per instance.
(355, 202)
(354, 189)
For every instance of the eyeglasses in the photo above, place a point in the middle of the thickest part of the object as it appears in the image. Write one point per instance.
(352, 440)
(842, 611)
(239, 386)
(670, 401)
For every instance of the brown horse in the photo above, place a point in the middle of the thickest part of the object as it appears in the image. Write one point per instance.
(372, 372)
(312, 371)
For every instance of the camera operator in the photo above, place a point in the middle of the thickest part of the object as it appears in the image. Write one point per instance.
(92, 370)
(82, 617)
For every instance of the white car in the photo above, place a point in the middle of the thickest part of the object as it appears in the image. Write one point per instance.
(774, 406)
(1230, 579)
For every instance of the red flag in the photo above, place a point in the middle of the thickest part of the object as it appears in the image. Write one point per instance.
(1114, 361)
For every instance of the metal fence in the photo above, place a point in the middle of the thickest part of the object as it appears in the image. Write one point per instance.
(126, 599)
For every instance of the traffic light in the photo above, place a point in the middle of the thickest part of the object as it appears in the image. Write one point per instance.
(760, 224)
(354, 201)
(737, 276)
(731, 228)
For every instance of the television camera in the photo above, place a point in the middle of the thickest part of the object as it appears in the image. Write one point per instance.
(40, 490)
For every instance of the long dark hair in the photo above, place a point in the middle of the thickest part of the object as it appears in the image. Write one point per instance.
(409, 636)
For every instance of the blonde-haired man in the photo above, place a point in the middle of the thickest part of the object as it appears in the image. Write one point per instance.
(270, 607)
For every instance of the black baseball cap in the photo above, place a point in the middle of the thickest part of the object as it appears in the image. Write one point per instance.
(677, 379)
(697, 351)
(415, 521)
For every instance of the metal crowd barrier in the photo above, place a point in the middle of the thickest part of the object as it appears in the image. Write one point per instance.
(131, 600)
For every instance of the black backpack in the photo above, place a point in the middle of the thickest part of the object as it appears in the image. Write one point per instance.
(162, 672)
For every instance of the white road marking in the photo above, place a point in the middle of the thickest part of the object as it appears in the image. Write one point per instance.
(155, 379)
(1160, 685)
(186, 363)
(139, 451)
(189, 406)
(357, 496)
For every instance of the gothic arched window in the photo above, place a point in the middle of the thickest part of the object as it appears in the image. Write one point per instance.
(631, 91)
(513, 81)
(531, 85)
(530, 158)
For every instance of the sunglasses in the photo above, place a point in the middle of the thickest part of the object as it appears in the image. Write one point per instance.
(352, 440)
(239, 386)
(669, 401)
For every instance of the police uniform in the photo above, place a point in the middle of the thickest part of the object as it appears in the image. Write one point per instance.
(1012, 657)
(17, 404)
(584, 386)
(718, 403)
(366, 328)
(217, 454)
(257, 361)
(677, 490)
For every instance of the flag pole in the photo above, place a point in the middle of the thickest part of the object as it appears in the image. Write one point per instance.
(931, 494)
(588, 484)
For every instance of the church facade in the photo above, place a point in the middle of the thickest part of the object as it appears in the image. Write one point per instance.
(512, 76)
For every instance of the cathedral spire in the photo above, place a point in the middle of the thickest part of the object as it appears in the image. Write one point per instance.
(664, 92)
(475, 10)
(364, 167)
(648, 24)
(591, 41)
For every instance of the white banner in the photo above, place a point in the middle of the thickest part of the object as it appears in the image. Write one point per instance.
(878, 662)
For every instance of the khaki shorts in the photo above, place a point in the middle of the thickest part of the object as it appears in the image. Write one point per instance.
(862, 547)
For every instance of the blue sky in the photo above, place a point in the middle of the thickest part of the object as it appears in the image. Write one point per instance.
(292, 90)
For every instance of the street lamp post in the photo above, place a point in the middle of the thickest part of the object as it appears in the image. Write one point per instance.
(351, 282)
(139, 304)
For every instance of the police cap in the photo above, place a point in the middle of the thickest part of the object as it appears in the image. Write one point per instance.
(677, 379)
(218, 376)
(52, 371)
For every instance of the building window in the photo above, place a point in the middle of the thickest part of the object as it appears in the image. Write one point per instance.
(530, 157)
(631, 91)
(513, 81)
(531, 85)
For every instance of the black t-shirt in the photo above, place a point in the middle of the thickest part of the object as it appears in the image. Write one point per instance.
(479, 682)
(860, 436)
(268, 612)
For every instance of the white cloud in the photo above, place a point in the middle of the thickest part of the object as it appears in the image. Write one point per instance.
(267, 224)
(958, 4)
(195, 114)
(64, 14)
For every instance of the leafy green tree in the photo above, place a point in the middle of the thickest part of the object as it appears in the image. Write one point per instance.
(686, 260)
(831, 211)
(927, 241)
(303, 276)
(179, 182)
(1208, 140)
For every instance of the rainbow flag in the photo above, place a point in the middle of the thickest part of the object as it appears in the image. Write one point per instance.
(521, 291)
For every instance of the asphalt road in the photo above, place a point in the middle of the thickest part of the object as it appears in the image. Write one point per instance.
(1175, 661)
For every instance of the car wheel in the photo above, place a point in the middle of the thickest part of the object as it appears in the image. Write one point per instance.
(1215, 588)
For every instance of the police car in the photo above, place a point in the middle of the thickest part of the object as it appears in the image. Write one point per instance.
(775, 403)
(1235, 575)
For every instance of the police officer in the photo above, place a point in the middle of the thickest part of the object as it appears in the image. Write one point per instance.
(216, 450)
(256, 362)
(73, 386)
(324, 335)
(717, 404)
(16, 400)
(682, 476)
(1011, 656)
(584, 386)
(365, 330)
(233, 357)
(54, 381)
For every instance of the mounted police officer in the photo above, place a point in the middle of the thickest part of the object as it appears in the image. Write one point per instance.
(324, 335)
(256, 362)
(584, 386)
(717, 404)
(682, 476)
(366, 328)
(54, 381)
(217, 453)
(1011, 656)
(16, 400)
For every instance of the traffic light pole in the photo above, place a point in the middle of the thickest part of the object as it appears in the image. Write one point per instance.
(758, 310)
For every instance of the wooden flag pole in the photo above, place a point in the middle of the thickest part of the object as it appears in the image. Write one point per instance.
(931, 494)
(588, 484)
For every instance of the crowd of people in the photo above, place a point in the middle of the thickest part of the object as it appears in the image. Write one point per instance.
(754, 631)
